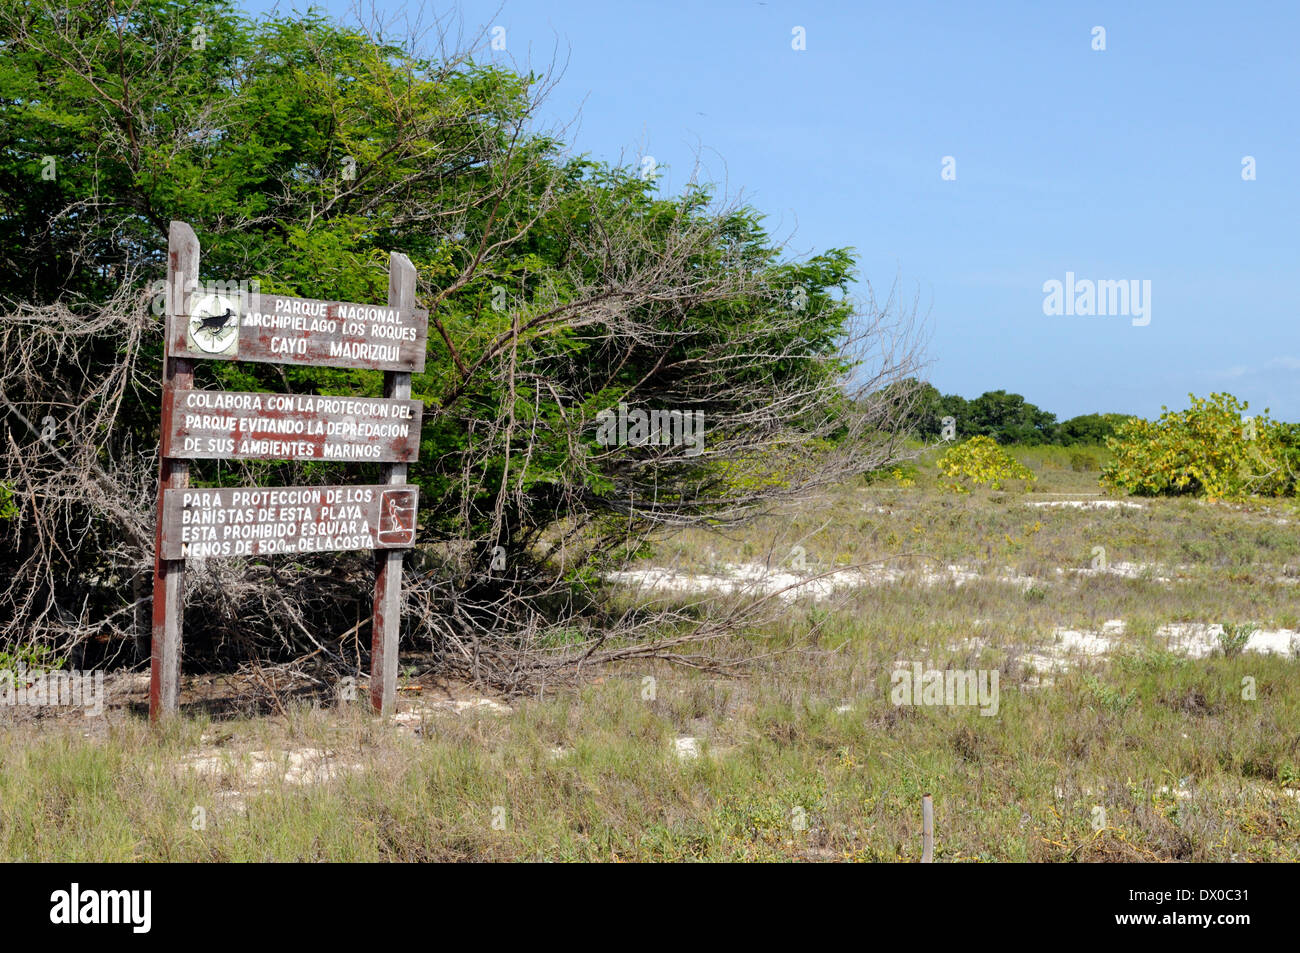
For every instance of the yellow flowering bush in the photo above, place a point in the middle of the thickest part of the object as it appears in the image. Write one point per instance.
(902, 477)
(979, 461)
(1209, 449)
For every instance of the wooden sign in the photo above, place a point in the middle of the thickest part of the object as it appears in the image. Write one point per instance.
(262, 521)
(283, 330)
(227, 425)
(257, 521)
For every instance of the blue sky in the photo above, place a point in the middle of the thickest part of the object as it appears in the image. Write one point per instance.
(1121, 164)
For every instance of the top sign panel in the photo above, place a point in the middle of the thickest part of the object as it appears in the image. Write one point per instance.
(283, 330)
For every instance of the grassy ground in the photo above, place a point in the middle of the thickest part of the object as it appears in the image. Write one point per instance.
(1144, 754)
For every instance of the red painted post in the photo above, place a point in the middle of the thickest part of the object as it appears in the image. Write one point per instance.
(386, 622)
(169, 574)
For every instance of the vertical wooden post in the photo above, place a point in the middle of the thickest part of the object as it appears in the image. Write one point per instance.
(927, 830)
(169, 574)
(388, 575)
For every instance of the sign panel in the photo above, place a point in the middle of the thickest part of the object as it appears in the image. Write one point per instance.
(283, 330)
(256, 521)
(231, 425)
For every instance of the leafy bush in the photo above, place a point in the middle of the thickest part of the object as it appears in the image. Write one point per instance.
(1208, 450)
(30, 657)
(979, 461)
(1089, 429)
(1082, 462)
(1233, 638)
(905, 474)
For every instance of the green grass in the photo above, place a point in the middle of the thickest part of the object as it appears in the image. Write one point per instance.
(1020, 786)
(1185, 763)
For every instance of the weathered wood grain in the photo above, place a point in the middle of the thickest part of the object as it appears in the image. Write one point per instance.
(169, 576)
(386, 621)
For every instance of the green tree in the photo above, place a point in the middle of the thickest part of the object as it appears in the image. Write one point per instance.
(302, 152)
(1090, 429)
(1009, 418)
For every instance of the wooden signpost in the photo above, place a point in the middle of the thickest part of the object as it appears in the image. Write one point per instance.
(178, 374)
(259, 521)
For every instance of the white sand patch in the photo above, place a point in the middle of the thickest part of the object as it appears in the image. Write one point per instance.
(1125, 570)
(755, 579)
(249, 773)
(1181, 793)
(1085, 791)
(1199, 639)
(415, 717)
(1161, 573)
(462, 705)
(746, 579)
(1069, 647)
(1089, 504)
(686, 748)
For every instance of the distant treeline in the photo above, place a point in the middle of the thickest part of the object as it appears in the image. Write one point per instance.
(1007, 418)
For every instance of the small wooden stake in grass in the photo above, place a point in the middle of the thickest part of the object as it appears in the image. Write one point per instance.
(927, 830)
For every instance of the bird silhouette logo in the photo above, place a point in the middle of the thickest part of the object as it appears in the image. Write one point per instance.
(214, 325)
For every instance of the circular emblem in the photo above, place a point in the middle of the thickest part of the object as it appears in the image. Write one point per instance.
(214, 324)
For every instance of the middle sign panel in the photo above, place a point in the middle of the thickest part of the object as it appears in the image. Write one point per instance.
(232, 425)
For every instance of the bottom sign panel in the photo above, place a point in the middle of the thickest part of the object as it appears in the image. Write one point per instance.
(258, 521)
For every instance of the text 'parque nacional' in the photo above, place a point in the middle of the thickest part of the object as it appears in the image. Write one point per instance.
(252, 326)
